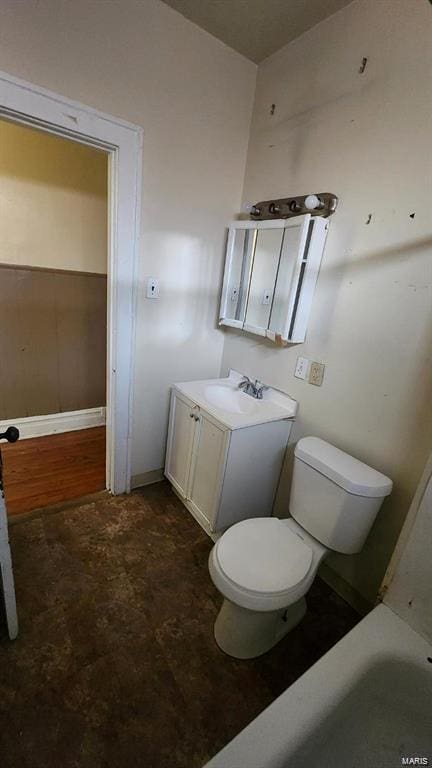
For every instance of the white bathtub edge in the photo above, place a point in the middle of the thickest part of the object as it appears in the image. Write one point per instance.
(269, 739)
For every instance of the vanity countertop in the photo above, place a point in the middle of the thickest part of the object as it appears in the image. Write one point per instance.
(223, 400)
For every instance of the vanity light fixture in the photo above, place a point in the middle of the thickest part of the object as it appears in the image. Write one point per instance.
(322, 204)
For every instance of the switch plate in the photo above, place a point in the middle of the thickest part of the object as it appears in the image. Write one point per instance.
(152, 288)
(234, 293)
(301, 368)
(266, 296)
(316, 374)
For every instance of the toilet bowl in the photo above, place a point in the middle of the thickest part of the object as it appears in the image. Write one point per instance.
(263, 567)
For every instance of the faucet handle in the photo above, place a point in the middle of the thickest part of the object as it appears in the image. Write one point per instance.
(259, 389)
(244, 382)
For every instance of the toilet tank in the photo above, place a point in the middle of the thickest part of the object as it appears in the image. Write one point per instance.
(334, 496)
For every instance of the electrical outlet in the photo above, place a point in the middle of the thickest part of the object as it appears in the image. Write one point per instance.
(316, 374)
(152, 288)
(301, 368)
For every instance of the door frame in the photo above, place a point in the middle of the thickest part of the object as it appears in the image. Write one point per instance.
(28, 104)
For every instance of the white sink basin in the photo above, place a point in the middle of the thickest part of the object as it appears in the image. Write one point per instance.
(223, 399)
(230, 399)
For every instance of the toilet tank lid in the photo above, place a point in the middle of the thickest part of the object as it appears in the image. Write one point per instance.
(346, 471)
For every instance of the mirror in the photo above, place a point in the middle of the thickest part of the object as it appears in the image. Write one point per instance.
(267, 251)
(271, 269)
(285, 276)
(238, 278)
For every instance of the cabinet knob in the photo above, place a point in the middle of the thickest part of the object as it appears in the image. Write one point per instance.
(197, 418)
(191, 415)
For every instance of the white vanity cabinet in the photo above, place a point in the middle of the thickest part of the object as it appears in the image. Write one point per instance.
(222, 474)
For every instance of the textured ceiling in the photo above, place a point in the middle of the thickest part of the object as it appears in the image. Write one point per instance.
(256, 28)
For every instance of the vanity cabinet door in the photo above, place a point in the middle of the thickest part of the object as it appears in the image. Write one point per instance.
(207, 469)
(181, 433)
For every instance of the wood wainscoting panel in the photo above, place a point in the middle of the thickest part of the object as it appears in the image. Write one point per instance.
(82, 340)
(28, 343)
(53, 338)
(47, 470)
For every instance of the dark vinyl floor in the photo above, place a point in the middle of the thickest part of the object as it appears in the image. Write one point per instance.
(115, 665)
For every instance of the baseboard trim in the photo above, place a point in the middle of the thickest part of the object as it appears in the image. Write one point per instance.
(344, 590)
(147, 478)
(53, 423)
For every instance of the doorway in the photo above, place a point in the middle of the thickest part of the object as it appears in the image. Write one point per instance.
(121, 143)
(53, 315)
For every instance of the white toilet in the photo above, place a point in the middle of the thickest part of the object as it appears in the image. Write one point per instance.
(264, 566)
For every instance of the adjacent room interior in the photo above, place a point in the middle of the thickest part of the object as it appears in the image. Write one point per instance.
(53, 316)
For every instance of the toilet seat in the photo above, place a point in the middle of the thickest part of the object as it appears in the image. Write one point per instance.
(263, 555)
(262, 564)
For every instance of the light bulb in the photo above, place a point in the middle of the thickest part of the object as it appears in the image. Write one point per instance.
(312, 202)
(274, 208)
(251, 209)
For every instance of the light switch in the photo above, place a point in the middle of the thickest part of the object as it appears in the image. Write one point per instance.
(266, 296)
(152, 288)
(301, 368)
(316, 374)
(234, 293)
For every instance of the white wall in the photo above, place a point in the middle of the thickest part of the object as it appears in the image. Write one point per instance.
(53, 201)
(367, 138)
(407, 586)
(193, 96)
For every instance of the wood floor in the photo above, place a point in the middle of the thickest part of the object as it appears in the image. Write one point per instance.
(116, 665)
(47, 470)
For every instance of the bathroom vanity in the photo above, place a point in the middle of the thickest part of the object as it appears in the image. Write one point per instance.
(225, 449)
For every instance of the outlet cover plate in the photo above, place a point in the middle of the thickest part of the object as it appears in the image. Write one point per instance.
(316, 374)
(301, 368)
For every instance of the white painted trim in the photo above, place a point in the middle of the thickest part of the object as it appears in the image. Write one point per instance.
(53, 423)
(147, 478)
(231, 323)
(29, 104)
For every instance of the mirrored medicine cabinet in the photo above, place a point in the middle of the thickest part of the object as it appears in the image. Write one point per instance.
(271, 269)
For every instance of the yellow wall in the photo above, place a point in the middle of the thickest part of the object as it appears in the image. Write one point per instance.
(53, 201)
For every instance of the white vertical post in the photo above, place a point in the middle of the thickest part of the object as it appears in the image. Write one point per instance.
(6, 573)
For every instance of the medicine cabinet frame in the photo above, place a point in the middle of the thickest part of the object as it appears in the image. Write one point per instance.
(303, 266)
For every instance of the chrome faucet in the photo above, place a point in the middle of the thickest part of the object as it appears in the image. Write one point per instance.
(254, 389)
